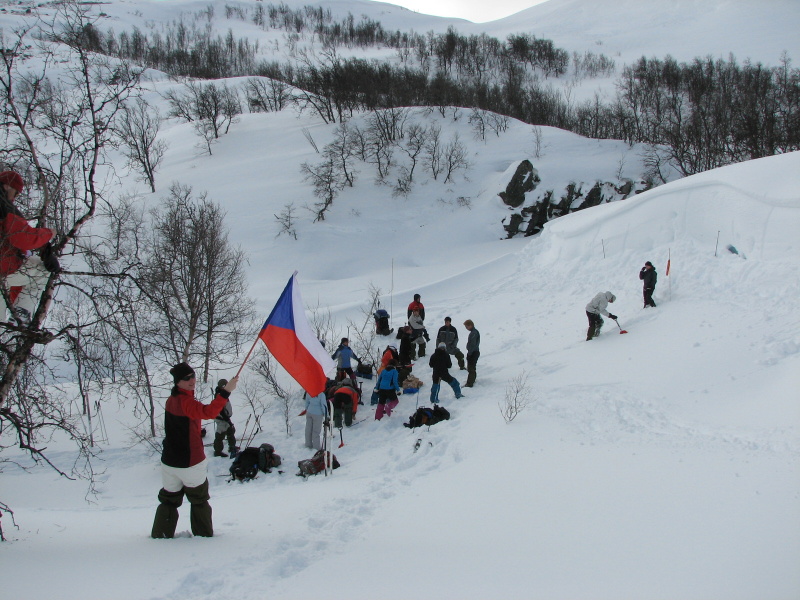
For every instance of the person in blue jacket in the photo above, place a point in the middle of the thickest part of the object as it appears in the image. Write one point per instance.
(316, 412)
(387, 387)
(343, 355)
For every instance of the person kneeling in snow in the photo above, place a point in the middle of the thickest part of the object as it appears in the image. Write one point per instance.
(594, 309)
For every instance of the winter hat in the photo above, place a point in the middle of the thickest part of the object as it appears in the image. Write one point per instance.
(180, 371)
(390, 347)
(417, 297)
(222, 383)
(442, 345)
(13, 179)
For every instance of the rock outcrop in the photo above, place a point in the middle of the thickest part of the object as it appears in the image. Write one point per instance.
(536, 209)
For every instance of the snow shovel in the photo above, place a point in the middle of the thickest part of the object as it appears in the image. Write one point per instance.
(621, 330)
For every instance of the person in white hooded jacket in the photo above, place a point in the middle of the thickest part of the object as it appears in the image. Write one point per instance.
(594, 309)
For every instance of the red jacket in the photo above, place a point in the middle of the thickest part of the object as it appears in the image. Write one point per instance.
(183, 444)
(347, 390)
(418, 306)
(16, 236)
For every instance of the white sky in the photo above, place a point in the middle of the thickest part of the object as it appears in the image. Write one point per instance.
(478, 11)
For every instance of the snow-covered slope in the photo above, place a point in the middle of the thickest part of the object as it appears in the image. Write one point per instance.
(759, 30)
(663, 462)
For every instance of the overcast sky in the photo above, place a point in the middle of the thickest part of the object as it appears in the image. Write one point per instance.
(478, 11)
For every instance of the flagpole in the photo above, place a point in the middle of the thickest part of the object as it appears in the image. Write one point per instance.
(246, 358)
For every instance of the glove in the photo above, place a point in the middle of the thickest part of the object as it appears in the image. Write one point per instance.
(612, 317)
(49, 259)
(302, 413)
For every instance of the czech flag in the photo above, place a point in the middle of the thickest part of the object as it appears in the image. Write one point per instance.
(290, 339)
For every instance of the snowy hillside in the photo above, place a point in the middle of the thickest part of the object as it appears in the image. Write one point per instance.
(663, 463)
(658, 463)
(685, 29)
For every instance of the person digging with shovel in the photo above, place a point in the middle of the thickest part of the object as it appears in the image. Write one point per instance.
(594, 309)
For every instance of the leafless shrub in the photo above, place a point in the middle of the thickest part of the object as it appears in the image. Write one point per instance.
(517, 397)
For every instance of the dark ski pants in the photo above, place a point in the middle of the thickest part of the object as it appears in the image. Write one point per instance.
(166, 519)
(595, 324)
(472, 373)
(348, 372)
(344, 411)
(460, 358)
(647, 293)
(219, 439)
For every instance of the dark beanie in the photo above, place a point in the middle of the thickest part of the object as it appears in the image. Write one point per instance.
(222, 383)
(13, 179)
(180, 371)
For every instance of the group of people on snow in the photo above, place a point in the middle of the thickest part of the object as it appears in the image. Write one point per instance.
(27, 260)
(413, 339)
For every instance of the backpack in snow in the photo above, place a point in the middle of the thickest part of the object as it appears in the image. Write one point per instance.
(267, 459)
(382, 322)
(364, 371)
(251, 460)
(315, 464)
(427, 416)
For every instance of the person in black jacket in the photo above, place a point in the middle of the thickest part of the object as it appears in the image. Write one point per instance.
(223, 425)
(440, 363)
(649, 276)
(449, 335)
(183, 460)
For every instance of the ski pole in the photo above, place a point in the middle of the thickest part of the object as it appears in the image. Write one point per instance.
(341, 438)
(244, 431)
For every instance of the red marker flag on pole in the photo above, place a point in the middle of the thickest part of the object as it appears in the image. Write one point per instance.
(290, 339)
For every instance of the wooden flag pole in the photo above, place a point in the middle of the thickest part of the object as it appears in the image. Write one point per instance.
(246, 358)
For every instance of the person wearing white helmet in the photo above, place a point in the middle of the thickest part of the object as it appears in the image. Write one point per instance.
(594, 309)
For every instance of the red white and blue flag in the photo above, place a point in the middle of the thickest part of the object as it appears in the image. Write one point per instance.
(290, 339)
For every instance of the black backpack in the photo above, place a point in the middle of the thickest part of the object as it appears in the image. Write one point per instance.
(315, 464)
(251, 460)
(427, 416)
